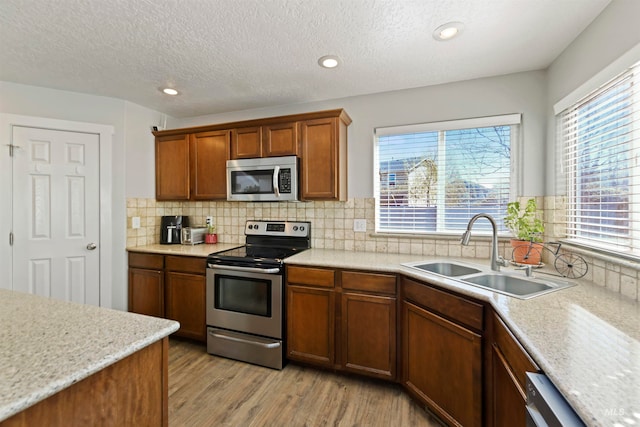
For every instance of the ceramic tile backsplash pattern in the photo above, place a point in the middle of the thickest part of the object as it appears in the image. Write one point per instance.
(332, 228)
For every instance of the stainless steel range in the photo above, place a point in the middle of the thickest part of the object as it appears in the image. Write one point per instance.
(245, 292)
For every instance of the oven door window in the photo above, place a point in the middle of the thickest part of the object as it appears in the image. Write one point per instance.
(252, 182)
(243, 295)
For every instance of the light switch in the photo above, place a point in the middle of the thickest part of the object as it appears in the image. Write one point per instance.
(135, 222)
(360, 225)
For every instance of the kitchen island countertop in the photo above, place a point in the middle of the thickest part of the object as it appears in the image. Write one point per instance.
(47, 345)
(586, 338)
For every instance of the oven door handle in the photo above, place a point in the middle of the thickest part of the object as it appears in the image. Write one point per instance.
(245, 269)
(227, 337)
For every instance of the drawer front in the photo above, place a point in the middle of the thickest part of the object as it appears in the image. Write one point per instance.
(148, 261)
(186, 264)
(369, 282)
(515, 355)
(451, 306)
(311, 276)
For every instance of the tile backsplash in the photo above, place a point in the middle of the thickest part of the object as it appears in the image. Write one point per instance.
(332, 228)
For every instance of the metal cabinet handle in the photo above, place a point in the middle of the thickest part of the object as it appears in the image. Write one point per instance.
(91, 246)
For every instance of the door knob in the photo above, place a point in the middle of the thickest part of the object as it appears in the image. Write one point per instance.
(91, 246)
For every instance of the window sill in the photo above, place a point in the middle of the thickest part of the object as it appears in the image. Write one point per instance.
(620, 259)
(435, 236)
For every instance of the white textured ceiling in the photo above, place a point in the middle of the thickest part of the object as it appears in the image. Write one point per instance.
(226, 55)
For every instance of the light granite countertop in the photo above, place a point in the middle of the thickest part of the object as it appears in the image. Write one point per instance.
(585, 338)
(46, 345)
(202, 250)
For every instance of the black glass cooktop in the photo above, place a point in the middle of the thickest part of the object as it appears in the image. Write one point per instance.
(253, 255)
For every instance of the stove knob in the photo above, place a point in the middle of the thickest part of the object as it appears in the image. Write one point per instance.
(295, 228)
(250, 226)
(302, 228)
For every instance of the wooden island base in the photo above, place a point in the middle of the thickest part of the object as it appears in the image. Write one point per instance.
(132, 391)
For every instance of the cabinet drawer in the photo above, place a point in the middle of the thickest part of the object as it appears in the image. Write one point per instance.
(369, 282)
(185, 264)
(311, 276)
(451, 306)
(515, 355)
(148, 261)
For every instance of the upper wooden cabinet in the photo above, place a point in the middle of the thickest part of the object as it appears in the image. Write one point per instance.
(280, 139)
(324, 159)
(319, 139)
(172, 167)
(246, 143)
(192, 166)
(209, 155)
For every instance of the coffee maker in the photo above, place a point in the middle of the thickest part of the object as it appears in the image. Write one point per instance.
(171, 229)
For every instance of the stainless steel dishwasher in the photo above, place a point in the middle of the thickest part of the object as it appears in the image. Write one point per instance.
(546, 406)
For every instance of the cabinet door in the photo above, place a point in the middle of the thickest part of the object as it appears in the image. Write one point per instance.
(186, 303)
(172, 167)
(369, 334)
(246, 143)
(280, 140)
(442, 366)
(509, 364)
(320, 167)
(311, 325)
(146, 292)
(509, 400)
(209, 155)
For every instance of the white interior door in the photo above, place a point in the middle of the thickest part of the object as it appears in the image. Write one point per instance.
(56, 214)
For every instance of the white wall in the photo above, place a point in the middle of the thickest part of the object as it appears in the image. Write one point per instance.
(515, 93)
(140, 175)
(130, 124)
(614, 32)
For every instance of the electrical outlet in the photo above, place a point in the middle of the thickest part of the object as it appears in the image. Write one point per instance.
(135, 222)
(360, 225)
(209, 220)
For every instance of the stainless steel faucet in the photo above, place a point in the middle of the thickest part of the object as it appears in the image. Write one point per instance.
(496, 260)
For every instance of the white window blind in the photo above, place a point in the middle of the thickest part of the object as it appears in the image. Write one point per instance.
(432, 178)
(601, 163)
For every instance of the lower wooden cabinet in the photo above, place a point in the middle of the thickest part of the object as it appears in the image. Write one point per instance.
(311, 325)
(443, 365)
(175, 289)
(442, 352)
(509, 363)
(146, 284)
(369, 324)
(343, 320)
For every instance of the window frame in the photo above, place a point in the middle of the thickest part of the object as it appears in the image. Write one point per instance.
(568, 178)
(515, 169)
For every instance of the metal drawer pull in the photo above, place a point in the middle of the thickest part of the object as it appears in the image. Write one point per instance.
(225, 337)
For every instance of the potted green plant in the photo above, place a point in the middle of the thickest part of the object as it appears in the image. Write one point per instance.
(527, 227)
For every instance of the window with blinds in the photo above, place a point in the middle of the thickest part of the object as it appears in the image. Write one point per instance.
(601, 162)
(432, 178)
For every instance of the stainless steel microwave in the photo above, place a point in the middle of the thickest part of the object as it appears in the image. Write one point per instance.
(269, 179)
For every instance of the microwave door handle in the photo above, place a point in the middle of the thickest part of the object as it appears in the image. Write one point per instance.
(276, 183)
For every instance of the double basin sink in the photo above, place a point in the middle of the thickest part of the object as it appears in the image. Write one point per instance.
(505, 283)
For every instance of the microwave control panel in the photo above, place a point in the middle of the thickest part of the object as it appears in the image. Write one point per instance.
(284, 180)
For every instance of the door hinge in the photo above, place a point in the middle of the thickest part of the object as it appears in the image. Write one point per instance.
(12, 149)
(11, 238)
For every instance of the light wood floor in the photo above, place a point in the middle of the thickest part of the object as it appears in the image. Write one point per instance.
(206, 390)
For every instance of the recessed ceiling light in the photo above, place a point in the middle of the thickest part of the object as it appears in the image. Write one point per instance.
(329, 61)
(448, 31)
(170, 91)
